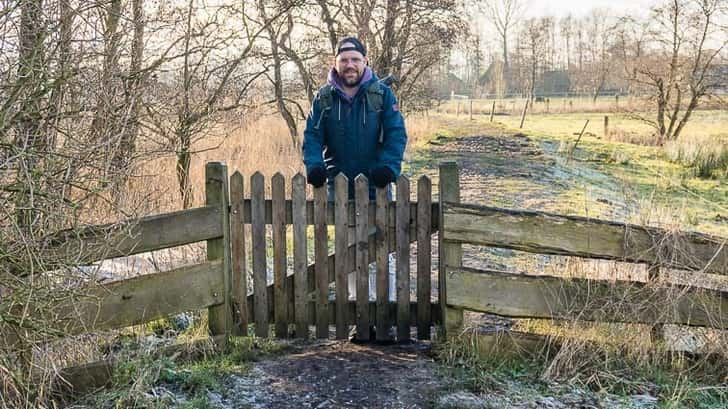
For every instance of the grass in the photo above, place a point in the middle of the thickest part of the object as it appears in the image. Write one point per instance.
(644, 180)
(610, 377)
(178, 376)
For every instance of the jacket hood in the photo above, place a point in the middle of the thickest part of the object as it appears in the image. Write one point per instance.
(335, 81)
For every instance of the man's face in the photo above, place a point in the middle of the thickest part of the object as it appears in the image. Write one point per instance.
(350, 66)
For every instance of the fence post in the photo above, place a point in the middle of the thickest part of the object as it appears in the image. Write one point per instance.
(492, 111)
(220, 317)
(606, 125)
(523, 114)
(451, 254)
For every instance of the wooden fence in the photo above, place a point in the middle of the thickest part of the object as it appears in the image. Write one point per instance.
(525, 296)
(367, 232)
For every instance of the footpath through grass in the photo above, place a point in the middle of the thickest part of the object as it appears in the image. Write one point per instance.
(604, 177)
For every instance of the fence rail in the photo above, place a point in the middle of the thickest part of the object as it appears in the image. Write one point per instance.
(520, 296)
(546, 233)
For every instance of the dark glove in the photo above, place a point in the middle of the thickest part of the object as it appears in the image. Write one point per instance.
(316, 176)
(382, 176)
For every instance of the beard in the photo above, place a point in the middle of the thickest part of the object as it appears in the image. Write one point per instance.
(351, 81)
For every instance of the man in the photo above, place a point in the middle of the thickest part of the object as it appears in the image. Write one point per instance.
(354, 125)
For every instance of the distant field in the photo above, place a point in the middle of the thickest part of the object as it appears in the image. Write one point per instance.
(570, 104)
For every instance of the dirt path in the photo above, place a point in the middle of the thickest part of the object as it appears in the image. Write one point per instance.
(338, 374)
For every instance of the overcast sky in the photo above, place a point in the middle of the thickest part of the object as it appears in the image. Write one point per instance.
(536, 8)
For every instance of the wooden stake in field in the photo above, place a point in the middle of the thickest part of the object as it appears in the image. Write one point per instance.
(471, 109)
(577, 141)
(523, 114)
(457, 110)
(492, 111)
(606, 125)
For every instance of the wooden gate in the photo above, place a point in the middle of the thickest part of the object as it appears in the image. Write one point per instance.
(302, 294)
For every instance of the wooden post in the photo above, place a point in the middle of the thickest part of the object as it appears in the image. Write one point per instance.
(321, 244)
(523, 115)
(451, 254)
(278, 224)
(341, 236)
(606, 126)
(573, 148)
(424, 257)
(657, 331)
(260, 272)
(382, 243)
(492, 111)
(403, 259)
(361, 191)
(457, 110)
(237, 235)
(220, 317)
(548, 102)
(616, 101)
(300, 256)
(471, 109)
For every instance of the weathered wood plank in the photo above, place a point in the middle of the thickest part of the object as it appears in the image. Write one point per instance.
(341, 233)
(547, 233)
(95, 243)
(220, 318)
(450, 253)
(321, 242)
(144, 298)
(403, 259)
(300, 261)
(278, 191)
(382, 256)
(237, 238)
(424, 256)
(330, 213)
(522, 296)
(260, 275)
(361, 188)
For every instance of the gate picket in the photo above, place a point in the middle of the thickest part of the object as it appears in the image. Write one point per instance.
(321, 242)
(341, 233)
(260, 293)
(424, 257)
(300, 258)
(278, 220)
(361, 187)
(382, 255)
(403, 259)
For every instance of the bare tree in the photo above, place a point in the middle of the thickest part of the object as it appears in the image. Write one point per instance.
(674, 60)
(534, 35)
(504, 15)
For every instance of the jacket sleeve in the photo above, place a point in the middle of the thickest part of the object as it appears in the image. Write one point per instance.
(395, 135)
(313, 137)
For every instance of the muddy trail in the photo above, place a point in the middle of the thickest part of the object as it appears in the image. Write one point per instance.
(338, 374)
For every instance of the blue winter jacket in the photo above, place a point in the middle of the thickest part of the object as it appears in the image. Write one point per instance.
(346, 139)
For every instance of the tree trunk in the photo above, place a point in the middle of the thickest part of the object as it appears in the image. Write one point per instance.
(28, 138)
(123, 155)
(184, 157)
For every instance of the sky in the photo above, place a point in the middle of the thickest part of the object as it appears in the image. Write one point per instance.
(536, 8)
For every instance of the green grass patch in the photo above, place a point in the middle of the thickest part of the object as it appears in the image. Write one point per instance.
(134, 379)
